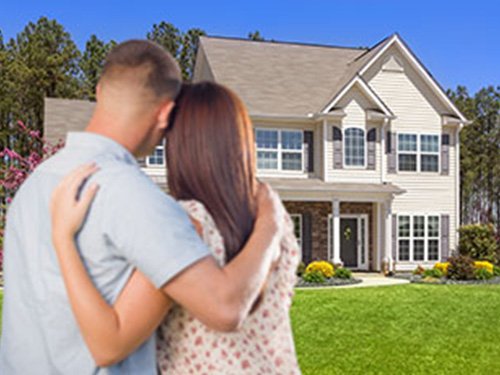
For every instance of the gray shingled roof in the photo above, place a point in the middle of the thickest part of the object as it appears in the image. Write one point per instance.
(317, 185)
(283, 78)
(65, 115)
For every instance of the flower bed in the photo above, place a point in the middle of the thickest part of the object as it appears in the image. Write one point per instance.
(459, 269)
(323, 273)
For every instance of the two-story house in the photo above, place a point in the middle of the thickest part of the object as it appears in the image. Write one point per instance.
(361, 145)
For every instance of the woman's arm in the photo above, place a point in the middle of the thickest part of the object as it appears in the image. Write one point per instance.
(111, 333)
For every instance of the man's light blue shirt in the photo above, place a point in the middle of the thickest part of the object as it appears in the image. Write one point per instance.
(131, 224)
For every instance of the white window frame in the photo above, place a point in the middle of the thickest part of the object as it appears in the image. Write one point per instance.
(426, 238)
(161, 147)
(419, 152)
(435, 153)
(299, 238)
(280, 150)
(344, 148)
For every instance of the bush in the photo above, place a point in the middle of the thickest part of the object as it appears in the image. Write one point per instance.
(315, 277)
(479, 242)
(419, 271)
(343, 273)
(323, 267)
(461, 267)
(301, 269)
(483, 274)
(496, 271)
(443, 267)
(433, 273)
(484, 265)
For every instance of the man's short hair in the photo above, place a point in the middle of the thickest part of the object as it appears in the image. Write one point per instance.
(163, 77)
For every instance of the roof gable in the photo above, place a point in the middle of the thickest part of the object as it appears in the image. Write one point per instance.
(358, 81)
(286, 79)
(409, 55)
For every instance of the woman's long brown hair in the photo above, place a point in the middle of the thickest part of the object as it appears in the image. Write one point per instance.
(211, 158)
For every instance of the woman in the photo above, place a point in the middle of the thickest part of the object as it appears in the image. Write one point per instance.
(211, 170)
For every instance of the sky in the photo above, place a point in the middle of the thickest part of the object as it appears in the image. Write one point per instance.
(458, 41)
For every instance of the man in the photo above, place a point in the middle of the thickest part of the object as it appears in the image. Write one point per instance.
(132, 224)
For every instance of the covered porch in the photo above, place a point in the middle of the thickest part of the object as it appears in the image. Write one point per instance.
(345, 223)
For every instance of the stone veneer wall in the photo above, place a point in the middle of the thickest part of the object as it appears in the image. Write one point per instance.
(319, 212)
(319, 224)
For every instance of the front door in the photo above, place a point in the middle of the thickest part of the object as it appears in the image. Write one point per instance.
(349, 242)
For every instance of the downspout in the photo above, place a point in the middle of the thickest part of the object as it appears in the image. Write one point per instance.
(382, 146)
(457, 183)
(325, 167)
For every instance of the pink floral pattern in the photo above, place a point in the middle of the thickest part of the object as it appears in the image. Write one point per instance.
(263, 345)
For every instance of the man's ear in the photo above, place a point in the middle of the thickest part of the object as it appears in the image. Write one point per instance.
(164, 113)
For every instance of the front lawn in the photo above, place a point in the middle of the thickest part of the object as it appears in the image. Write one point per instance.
(408, 329)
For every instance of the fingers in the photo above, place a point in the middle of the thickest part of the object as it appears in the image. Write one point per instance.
(88, 196)
(78, 177)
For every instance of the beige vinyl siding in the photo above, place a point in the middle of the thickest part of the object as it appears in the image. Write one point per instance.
(354, 105)
(417, 112)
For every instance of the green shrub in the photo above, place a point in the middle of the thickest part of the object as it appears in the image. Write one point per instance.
(461, 268)
(343, 273)
(315, 277)
(479, 242)
(301, 269)
(482, 274)
(496, 271)
(434, 273)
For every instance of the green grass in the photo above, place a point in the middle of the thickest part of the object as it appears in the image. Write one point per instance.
(409, 329)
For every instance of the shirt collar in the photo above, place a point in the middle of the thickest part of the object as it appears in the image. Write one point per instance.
(99, 143)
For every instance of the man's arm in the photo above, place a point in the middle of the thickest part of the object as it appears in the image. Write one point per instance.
(222, 298)
(154, 234)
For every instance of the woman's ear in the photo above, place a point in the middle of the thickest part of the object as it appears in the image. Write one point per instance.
(164, 114)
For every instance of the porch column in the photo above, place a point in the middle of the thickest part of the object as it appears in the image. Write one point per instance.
(387, 211)
(336, 232)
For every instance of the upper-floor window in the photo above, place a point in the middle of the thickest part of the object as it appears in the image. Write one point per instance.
(418, 238)
(354, 147)
(418, 153)
(157, 158)
(429, 153)
(280, 149)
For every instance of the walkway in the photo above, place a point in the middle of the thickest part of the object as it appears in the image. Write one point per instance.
(373, 279)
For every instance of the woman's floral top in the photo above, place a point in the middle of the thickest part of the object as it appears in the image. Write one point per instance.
(264, 343)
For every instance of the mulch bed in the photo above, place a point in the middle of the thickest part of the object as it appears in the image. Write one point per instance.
(444, 281)
(328, 282)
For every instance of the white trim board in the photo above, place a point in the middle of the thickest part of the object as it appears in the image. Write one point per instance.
(358, 80)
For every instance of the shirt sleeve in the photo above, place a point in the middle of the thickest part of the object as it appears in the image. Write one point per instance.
(149, 228)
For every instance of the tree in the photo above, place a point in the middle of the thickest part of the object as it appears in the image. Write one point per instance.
(182, 46)
(480, 156)
(43, 62)
(91, 64)
(187, 56)
(168, 36)
(255, 36)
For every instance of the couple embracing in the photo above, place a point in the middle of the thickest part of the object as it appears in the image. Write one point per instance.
(106, 274)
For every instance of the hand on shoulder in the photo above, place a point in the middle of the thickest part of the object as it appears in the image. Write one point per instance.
(67, 209)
